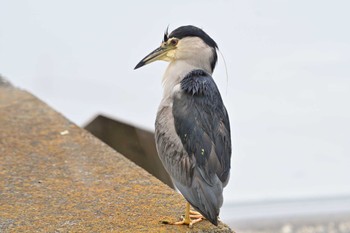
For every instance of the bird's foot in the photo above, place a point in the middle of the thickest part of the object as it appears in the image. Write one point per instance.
(196, 215)
(191, 217)
(189, 221)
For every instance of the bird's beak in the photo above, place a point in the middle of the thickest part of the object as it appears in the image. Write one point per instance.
(158, 54)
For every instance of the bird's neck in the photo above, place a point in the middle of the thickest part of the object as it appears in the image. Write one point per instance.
(176, 71)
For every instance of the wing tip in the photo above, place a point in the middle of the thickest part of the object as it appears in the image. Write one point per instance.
(214, 221)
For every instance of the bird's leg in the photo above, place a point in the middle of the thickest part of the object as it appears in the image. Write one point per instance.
(197, 217)
(185, 220)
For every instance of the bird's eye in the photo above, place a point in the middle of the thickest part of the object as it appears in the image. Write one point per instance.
(173, 42)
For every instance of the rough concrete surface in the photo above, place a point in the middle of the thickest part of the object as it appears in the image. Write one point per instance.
(136, 144)
(56, 177)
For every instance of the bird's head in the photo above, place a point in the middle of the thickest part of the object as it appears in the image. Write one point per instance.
(187, 43)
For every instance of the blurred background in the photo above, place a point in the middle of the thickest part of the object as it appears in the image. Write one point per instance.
(287, 90)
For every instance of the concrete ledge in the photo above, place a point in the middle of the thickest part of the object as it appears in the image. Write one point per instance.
(136, 144)
(56, 177)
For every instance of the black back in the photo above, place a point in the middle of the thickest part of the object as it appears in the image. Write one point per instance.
(202, 124)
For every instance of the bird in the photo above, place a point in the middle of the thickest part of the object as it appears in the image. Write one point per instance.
(192, 128)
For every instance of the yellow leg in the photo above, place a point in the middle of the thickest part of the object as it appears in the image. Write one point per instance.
(186, 220)
(188, 215)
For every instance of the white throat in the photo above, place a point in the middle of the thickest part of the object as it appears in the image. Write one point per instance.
(192, 53)
(174, 73)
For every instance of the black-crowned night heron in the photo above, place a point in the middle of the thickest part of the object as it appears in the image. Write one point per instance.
(192, 126)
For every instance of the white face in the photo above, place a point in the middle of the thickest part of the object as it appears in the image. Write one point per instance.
(184, 55)
(191, 49)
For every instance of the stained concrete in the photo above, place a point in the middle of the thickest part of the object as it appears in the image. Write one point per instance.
(134, 143)
(56, 177)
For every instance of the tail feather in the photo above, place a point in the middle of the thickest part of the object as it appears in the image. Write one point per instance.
(205, 198)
